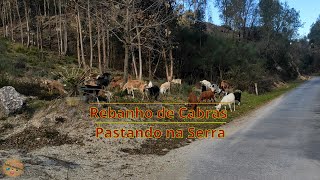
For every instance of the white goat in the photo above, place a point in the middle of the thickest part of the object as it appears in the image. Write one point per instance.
(206, 83)
(176, 81)
(164, 87)
(150, 85)
(109, 95)
(228, 99)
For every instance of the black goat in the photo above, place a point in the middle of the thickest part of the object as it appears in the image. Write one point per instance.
(104, 79)
(203, 88)
(154, 91)
(237, 95)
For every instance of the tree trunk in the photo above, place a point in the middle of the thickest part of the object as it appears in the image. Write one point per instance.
(171, 64)
(3, 21)
(140, 56)
(41, 36)
(48, 2)
(20, 22)
(81, 40)
(78, 43)
(126, 62)
(6, 19)
(220, 72)
(65, 35)
(165, 63)
(27, 21)
(99, 45)
(50, 42)
(56, 29)
(60, 28)
(37, 24)
(104, 53)
(108, 50)
(149, 63)
(134, 63)
(126, 43)
(44, 8)
(90, 34)
(11, 23)
(155, 69)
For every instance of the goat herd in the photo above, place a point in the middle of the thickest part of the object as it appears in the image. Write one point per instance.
(95, 87)
(209, 91)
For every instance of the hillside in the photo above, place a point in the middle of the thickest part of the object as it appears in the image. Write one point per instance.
(49, 133)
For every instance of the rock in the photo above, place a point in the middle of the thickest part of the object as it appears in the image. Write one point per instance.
(10, 101)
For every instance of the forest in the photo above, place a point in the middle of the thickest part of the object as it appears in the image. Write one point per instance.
(258, 41)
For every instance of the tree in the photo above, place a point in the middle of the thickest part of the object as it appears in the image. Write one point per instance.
(314, 35)
(238, 14)
(90, 33)
(125, 17)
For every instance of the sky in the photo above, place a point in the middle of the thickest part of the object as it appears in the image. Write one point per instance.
(309, 12)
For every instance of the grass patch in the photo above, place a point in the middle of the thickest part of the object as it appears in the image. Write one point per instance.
(251, 102)
(34, 105)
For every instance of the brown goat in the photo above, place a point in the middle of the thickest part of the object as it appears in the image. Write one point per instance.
(117, 83)
(132, 85)
(224, 85)
(53, 84)
(207, 95)
(192, 98)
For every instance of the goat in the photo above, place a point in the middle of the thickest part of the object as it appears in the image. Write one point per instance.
(224, 85)
(150, 84)
(105, 95)
(216, 88)
(115, 78)
(103, 80)
(192, 98)
(207, 95)
(132, 85)
(237, 95)
(206, 83)
(164, 87)
(203, 88)
(176, 81)
(116, 83)
(229, 99)
(154, 91)
(53, 84)
(99, 81)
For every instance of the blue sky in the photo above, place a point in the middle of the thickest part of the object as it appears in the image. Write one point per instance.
(309, 12)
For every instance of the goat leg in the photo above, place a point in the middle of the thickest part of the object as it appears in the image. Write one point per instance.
(98, 102)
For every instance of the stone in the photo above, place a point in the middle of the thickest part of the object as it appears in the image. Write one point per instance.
(10, 101)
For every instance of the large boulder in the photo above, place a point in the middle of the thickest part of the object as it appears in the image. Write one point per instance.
(10, 101)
